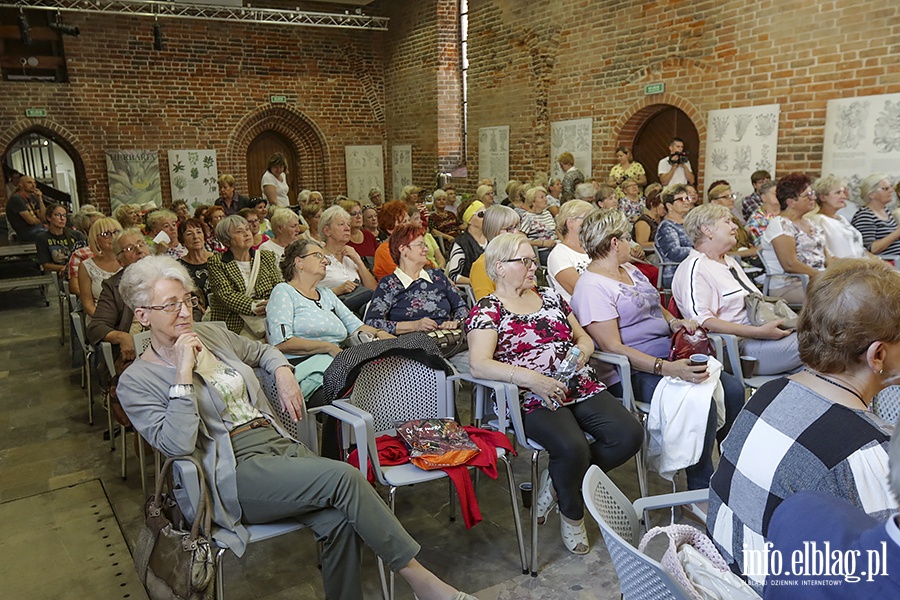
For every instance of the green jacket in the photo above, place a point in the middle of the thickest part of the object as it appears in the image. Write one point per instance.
(229, 298)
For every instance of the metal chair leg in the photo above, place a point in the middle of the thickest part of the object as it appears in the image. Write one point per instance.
(90, 388)
(534, 526)
(515, 510)
(124, 435)
(141, 458)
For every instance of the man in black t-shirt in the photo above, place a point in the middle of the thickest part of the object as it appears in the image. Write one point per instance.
(25, 210)
(56, 243)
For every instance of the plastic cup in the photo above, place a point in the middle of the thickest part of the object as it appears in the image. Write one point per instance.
(748, 366)
(525, 490)
(699, 360)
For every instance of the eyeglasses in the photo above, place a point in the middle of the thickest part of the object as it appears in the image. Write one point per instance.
(480, 214)
(419, 245)
(252, 222)
(133, 247)
(625, 237)
(526, 261)
(64, 215)
(683, 198)
(108, 234)
(318, 255)
(724, 196)
(173, 307)
(811, 194)
(512, 229)
(355, 213)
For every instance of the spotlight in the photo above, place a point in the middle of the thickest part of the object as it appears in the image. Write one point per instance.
(23, 28)
(157, 37)
(64, 29)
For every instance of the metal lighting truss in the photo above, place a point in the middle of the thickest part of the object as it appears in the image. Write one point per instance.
(156, 9)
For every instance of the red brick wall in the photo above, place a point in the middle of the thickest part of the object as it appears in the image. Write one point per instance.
(209, 88)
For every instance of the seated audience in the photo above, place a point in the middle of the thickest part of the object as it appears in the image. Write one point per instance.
(25, 210)
(521, 334)
(813, 430)
(261, 206)
(878, 228)
(180, 208)
(346, 274)
(190, 235)
(285, 229)
(630, 201)
(768, 209)
(414, 298)
(709, 287)
(392, 215)
(497, 219)
(468, 246)
(568, 259)
(128, 216)
(435, 257)
(443, 223)
(252, 218)
(515, 197)
(370, 221)
(672, 242)
(241, 278)
(647, 223)
(376, 199)
(792, 243)
(83, 220)
(452, 199)
(538, 224)
(620, 309)
(212, 216)
(626, 170)
(361, 240)
(750, 204)
(99, 267)
(164, 221)
(842, 240)
(722, 194)
(228, 198)
(57, 241)
(311, 213)
(604, 196)
(255, 473)
(554, 191)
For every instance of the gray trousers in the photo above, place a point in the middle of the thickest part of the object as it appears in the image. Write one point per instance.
(278, 478)
(774, 356)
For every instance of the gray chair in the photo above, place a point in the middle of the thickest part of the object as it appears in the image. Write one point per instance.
(733, 350)
(88, 351)
(887, 404)
(662, 264)
(394, 390)
(769, 278)
(622, 525)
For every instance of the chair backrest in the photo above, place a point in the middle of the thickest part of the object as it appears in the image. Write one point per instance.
(468, 293)
(78, 327)
(640, 576)
(298, 430)
(141, 342)
(396, 389)
(887, 404)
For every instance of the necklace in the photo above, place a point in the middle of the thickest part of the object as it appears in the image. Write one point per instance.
(617, 274)
(843, 387)
(161, 357)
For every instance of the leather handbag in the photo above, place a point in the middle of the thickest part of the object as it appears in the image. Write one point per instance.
(765, 309)
(685, 343)
(174, 561)
(451, 341)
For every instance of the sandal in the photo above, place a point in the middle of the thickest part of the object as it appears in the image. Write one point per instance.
(545, 500)
(574, 536)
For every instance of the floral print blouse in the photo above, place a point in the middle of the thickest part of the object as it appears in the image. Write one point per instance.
(538, 341)
(393, 303)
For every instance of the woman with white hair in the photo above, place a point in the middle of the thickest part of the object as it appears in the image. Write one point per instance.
(538, 224)
(521, 334)
(485, 195)
(878, 228)
(568, 260)
(286, 228)
(497, 219)
(164, 221)
(842, 240)
(194, 392)
(710, 286)
(345, 274)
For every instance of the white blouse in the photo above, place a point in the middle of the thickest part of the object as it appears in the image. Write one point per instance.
(842, 240)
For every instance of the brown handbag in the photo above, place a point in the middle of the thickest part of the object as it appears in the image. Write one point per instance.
(175, 562)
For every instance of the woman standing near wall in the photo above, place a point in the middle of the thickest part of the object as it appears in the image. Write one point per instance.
(274, 182)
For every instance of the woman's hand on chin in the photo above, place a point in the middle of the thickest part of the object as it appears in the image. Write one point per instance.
(186, 348)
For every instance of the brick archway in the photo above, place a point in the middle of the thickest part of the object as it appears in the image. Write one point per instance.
(300, 130)
(66, 140)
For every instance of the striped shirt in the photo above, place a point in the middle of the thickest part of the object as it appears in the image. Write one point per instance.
(541, 226)
(873, 229)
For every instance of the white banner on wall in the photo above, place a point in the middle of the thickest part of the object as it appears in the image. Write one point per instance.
(575, 136)
(862, 136)
(193, 176)
(739, 142)
(401, 169)
(493, 157)
(365, 170)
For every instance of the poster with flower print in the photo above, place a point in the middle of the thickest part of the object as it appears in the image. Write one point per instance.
(193, 176)
(133, 177)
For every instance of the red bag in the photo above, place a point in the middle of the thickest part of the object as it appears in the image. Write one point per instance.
(685, 343)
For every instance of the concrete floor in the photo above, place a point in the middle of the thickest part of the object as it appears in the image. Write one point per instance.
(46, 443)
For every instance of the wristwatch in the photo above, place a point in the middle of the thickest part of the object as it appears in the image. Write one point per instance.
(179, 390)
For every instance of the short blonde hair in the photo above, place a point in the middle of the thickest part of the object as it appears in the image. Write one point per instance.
(599, 228)
(705, 214)
(482, 190)
(281, 217)
(870, 185)
(566, 158)
(101, 225)
(571, 210)
(226, 179)
(439, 194)
(531, 195)
(824, 186)
(501, 248)
(330, 215)
(156, 216)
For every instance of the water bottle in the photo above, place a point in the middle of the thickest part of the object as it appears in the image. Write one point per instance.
(568, 366)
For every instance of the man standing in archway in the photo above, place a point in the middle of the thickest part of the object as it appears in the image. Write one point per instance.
(675, 168)
(25, 210)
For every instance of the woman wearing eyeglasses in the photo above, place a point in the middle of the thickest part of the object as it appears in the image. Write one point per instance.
(520, 334)
(414, 298)
(469, 245)
(792, 243)
(672, 242)
(878, 228)
(568, 259)
(193, 392)
(362, 240)
(101, 266)
(722, 194)
(842, 240)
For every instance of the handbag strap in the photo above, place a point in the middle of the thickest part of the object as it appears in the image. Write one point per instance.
(743, 285)
(254, 273)
(204, 513)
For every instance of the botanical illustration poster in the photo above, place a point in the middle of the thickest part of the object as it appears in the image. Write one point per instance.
(401, 169)
(193, 176)
(575, 136)
(365, 170)
(133, 177)
(739, 142)
(862, 136)
(493, 157)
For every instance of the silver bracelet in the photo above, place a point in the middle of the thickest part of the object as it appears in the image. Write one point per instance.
(512, 373)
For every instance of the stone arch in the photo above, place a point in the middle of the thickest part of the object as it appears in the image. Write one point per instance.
(296, 127)
(66, 140)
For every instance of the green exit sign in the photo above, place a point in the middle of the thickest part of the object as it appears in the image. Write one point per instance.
(35, 112)
(277, 99)
(654, 88)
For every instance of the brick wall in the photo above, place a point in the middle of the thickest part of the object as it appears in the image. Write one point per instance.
(209, 88)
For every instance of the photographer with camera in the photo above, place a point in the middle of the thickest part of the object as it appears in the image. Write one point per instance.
(675, 168)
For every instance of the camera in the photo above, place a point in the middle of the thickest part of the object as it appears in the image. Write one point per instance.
(678, 158)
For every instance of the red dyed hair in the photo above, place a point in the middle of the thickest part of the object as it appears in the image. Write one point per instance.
(402, 236)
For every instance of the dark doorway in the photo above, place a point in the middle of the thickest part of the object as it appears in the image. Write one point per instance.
(651, 143)
(260, 151)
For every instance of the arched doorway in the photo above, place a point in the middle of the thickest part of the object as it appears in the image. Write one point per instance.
(52, 161)
(260, 150)
(661, 123)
